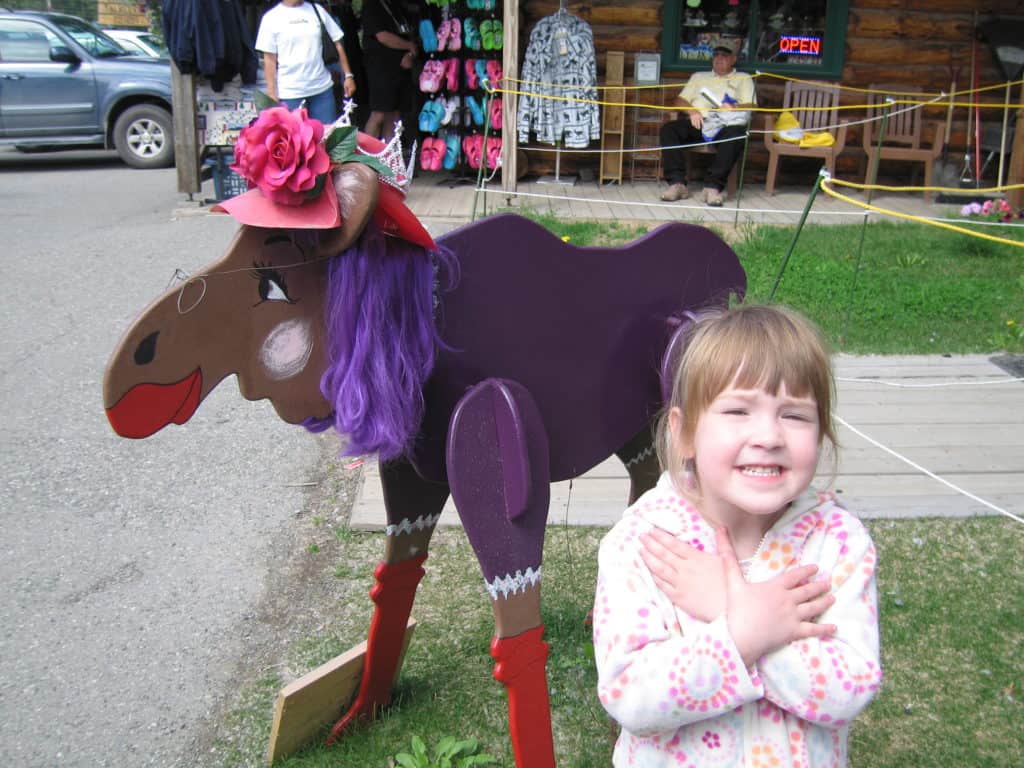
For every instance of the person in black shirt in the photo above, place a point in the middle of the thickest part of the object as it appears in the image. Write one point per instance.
(389, 51)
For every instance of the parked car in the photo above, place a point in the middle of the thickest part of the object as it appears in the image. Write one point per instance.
(63, 84)
(139, 43)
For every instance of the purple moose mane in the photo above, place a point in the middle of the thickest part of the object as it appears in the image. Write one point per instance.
(382, 343)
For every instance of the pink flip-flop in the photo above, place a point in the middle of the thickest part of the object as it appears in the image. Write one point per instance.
(493, 151)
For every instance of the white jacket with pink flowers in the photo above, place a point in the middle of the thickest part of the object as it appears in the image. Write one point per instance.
(677, 685)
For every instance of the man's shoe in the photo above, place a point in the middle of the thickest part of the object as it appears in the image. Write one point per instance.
(713, 197)
(675, 192)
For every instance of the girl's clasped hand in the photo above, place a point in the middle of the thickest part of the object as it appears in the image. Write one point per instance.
(761, 616)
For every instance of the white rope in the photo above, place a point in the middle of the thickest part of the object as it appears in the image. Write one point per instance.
(624, 150)
(929, 473)
(904, 385)
(673, 206)
(731, 209)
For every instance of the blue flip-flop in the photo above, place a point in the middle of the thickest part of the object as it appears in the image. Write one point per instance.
(476, 109)
(428, 36)
(471, 34)
(451, 156)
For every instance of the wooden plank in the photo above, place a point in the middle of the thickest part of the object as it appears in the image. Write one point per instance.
(186, 136)
(509, 101)
(317, 699)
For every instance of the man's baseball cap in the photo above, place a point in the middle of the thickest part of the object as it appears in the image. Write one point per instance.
(724, 49)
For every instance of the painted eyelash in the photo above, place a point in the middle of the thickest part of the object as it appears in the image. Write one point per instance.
(263, 271)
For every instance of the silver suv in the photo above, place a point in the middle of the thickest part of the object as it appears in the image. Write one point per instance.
(63, 84)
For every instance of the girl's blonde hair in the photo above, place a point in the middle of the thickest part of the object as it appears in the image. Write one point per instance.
(750, 346)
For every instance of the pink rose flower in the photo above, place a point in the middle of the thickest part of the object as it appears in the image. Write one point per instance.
(282, 153)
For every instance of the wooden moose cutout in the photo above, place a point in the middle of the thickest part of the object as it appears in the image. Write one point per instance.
(484, 366)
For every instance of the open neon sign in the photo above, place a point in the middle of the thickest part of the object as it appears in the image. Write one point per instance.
(798, 45)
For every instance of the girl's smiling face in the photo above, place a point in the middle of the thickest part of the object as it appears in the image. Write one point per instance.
(754, 453)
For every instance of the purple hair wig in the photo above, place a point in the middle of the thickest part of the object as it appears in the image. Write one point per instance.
(382, 343)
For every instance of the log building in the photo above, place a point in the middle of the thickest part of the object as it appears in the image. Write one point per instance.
(922, 43)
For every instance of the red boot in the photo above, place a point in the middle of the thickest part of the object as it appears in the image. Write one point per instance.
(521, 667)
(393, 594)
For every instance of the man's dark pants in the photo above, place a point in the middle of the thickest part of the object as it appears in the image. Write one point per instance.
(726, 155)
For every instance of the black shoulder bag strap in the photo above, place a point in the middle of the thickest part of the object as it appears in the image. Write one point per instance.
(327, 50)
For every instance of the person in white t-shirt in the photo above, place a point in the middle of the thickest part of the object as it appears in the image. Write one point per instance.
(290, 40)
(716, 108)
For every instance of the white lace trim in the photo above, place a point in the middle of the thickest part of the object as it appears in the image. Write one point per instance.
(419, 524)
(506, 585)
(646, 452)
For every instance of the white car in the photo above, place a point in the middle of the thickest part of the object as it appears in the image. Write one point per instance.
(139, 43)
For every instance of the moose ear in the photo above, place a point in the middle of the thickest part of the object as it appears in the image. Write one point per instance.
(358, 191)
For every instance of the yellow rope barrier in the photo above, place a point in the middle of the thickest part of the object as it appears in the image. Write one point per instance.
(869, 90)
(910, 217)
(838, 107)
(956, 190)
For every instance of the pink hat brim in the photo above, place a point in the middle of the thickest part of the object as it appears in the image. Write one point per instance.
(254, 209)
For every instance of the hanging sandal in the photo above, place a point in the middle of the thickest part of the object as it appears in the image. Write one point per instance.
(480, 66)
(450, 69)
(476, 108)
(493, 152)
(455, 35)
(451, 106)
(444, 34)
(472, 82)
(472, 148)
(486, 34)
(494, 72)
(496, 113)
(430, 77)
(471, 34)
(426, 155)
(451, 155)
(430, 40)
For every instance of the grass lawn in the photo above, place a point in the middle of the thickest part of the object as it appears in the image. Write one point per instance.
(919, 290)
(952, 607)
(952, 643)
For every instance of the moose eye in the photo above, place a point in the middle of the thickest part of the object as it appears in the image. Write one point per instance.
(272, 286)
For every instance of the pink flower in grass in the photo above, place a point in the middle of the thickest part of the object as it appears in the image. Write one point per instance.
(282, 153)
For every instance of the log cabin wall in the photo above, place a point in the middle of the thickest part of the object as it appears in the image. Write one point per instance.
(911, 42)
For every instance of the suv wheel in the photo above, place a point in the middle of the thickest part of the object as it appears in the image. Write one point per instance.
(144, 137)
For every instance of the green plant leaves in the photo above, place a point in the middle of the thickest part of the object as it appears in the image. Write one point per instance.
(449, 753)
(342, 146)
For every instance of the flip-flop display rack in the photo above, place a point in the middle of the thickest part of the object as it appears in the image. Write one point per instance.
(463, 42)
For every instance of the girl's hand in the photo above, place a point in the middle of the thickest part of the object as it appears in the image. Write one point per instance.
(692, 579)
(408, 60)
(349, 87)
(766, 616)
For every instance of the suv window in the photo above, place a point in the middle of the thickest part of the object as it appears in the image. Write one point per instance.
(25, 41)
(87, 36)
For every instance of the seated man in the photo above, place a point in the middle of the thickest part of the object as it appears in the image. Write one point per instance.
(730, 94)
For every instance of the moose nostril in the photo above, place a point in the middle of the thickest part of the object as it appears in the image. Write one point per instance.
(146, 351)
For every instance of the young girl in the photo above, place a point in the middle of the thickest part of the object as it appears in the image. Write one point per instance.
(735, 622)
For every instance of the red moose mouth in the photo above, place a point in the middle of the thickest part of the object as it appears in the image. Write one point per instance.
(147, 408)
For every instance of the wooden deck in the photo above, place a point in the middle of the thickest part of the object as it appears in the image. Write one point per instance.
(971, 434)
(441, 205)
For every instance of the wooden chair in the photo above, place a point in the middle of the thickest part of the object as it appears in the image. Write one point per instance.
(815, 106)
(902, 140)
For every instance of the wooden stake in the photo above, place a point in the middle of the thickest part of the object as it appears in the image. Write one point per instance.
(318, 699)
(1016, 196)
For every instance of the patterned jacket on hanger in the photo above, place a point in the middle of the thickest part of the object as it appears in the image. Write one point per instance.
(560, 62)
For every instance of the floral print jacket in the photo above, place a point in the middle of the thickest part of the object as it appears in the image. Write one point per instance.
(677, 685)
